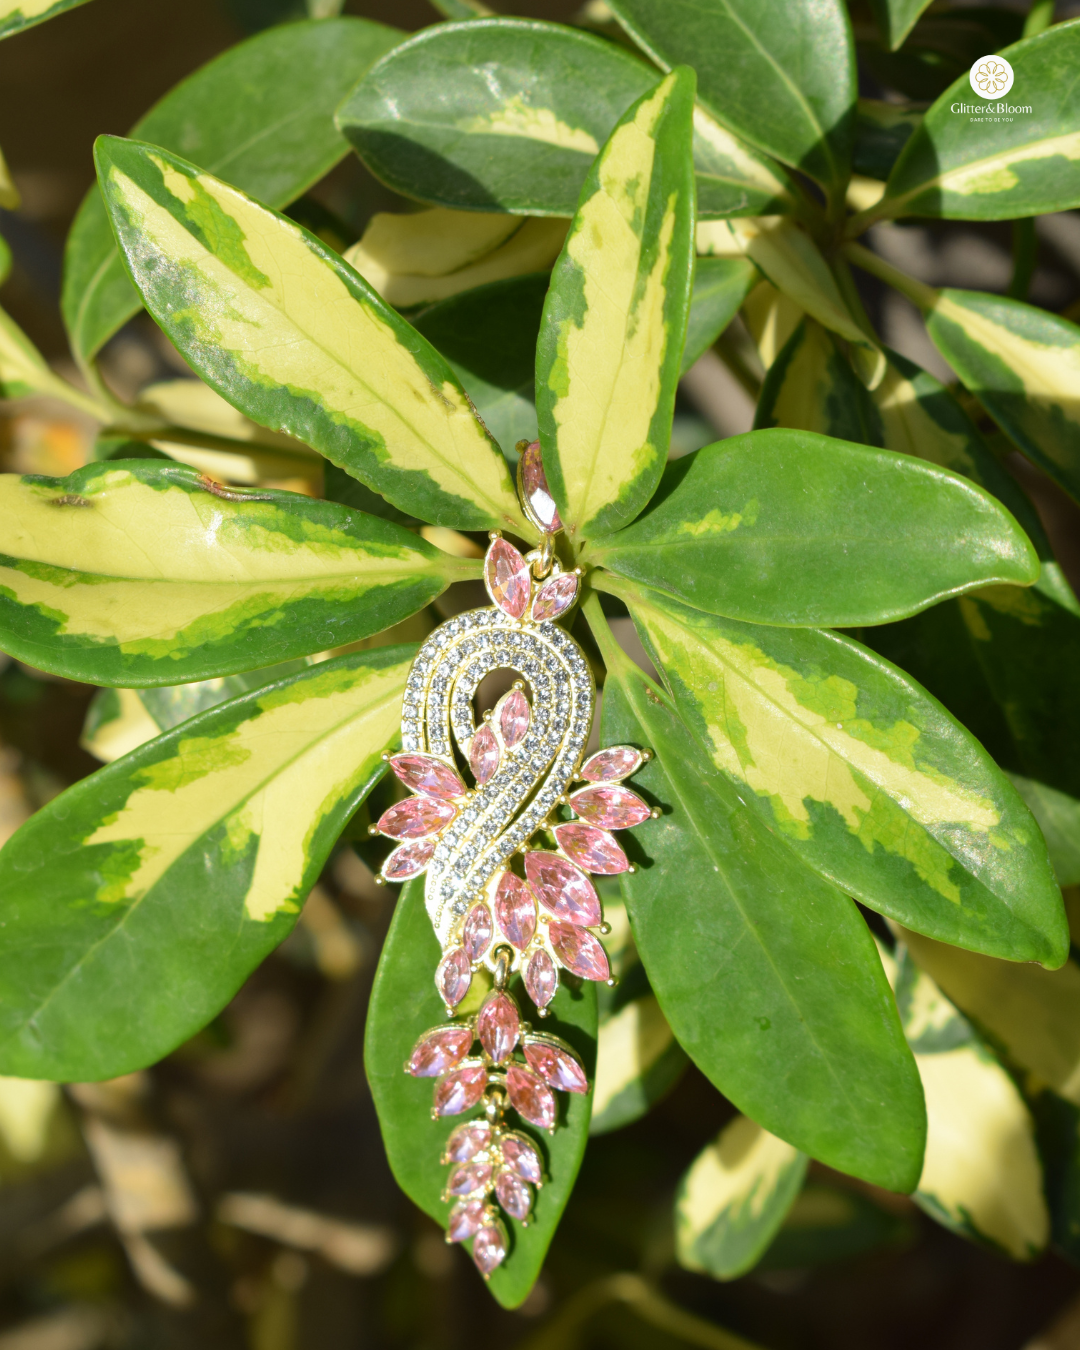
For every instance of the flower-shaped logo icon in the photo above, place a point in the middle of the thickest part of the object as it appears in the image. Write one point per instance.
(991, 76)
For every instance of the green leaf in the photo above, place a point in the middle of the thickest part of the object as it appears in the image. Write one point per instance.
(10, 201)
(1030, 1015)
(638, 1059)
(881, 132)
(136, 903)
(488, 335)
(116, 723)
(260, 115)
(811, 387)
(25, 372)
(770, 979)
(614, 325)
(15, 15)
(136, 573)
(748, 528)
(1022, 364)
(734, 1198)
(720, 287)
(532, 103)
(981, 1175)
(1058, 816)
(279, 324)
(896, 18)
(866, 777)
(941, 48)
(1026, 164)
(403, 1005)
(779, 74)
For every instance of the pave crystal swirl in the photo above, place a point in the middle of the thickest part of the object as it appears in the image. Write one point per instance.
(523, 757)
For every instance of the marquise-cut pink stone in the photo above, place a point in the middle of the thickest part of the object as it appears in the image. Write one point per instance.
(426, 774)
(477, 931)
(469, 1178)
(439, 1050)
(483, 754)
(498, 1026)
(541, 979)
(520, 1155)
(514, 1195)
(562, 888)
(408, 860)
(467, 1141)
(507, 576)
(556, 1066)
(555, 597)
(416, 817)
(514, 717)
(515, 910)
(535, 490)
(593, 849)
(617, 761)
(489, 1248)
(530, 1097)
(610, 806)
(465, 1219)
(453, 977)
(460, 1090)
(579, 951)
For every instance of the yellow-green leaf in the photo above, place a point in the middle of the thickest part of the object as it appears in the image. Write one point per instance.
(293, 337)
(610, 347)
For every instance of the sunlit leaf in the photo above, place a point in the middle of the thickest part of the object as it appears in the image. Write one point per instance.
(611, 340)
(896, 18)
(137, 573)
(280, 325)
(136, 903)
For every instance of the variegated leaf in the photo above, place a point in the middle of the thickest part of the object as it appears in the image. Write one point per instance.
(135, 903)
(143, 573)
(734, 1198)
(865, 776)
(981, 1174)
(748, 528)
(1023, 164)
(293, 337)
(611, 340)
(811, 386)
(15, 15)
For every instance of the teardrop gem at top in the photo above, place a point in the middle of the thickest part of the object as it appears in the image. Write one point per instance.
(555, 597)
(539, 503)
(506, 575)
(617, 761)
(428, 775)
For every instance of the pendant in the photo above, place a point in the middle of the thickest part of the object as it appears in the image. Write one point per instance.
(499, 897)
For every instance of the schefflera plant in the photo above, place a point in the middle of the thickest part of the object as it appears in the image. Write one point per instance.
(795, 771)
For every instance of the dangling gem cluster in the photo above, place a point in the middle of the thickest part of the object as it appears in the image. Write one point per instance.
(523, 757)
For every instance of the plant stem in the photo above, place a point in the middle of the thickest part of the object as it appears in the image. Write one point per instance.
(613, 654)
(1025, 250)
(1039, 17)
(918, 293)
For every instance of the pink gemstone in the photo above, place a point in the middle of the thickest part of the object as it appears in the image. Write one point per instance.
(555, 597)
(467, 1141)
(593, 849)
(518, 1153)
(515, 910)
(579, 951)
(563, 889)
(514, 1195)
(416, 817)
(514, 716)
(530, 1097)
(506, 574)
(498, 1026)
(465, 1219)
(408, 860)
(477, 932)
(426, 774)
(535, 490)
(617, 761)
(556, 1066)
(453, 977)
(460, 1090)
(483, 754)
(439, 1050)
(489, 1247)
(541, 979)
(610, 806)
(469, 1178)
